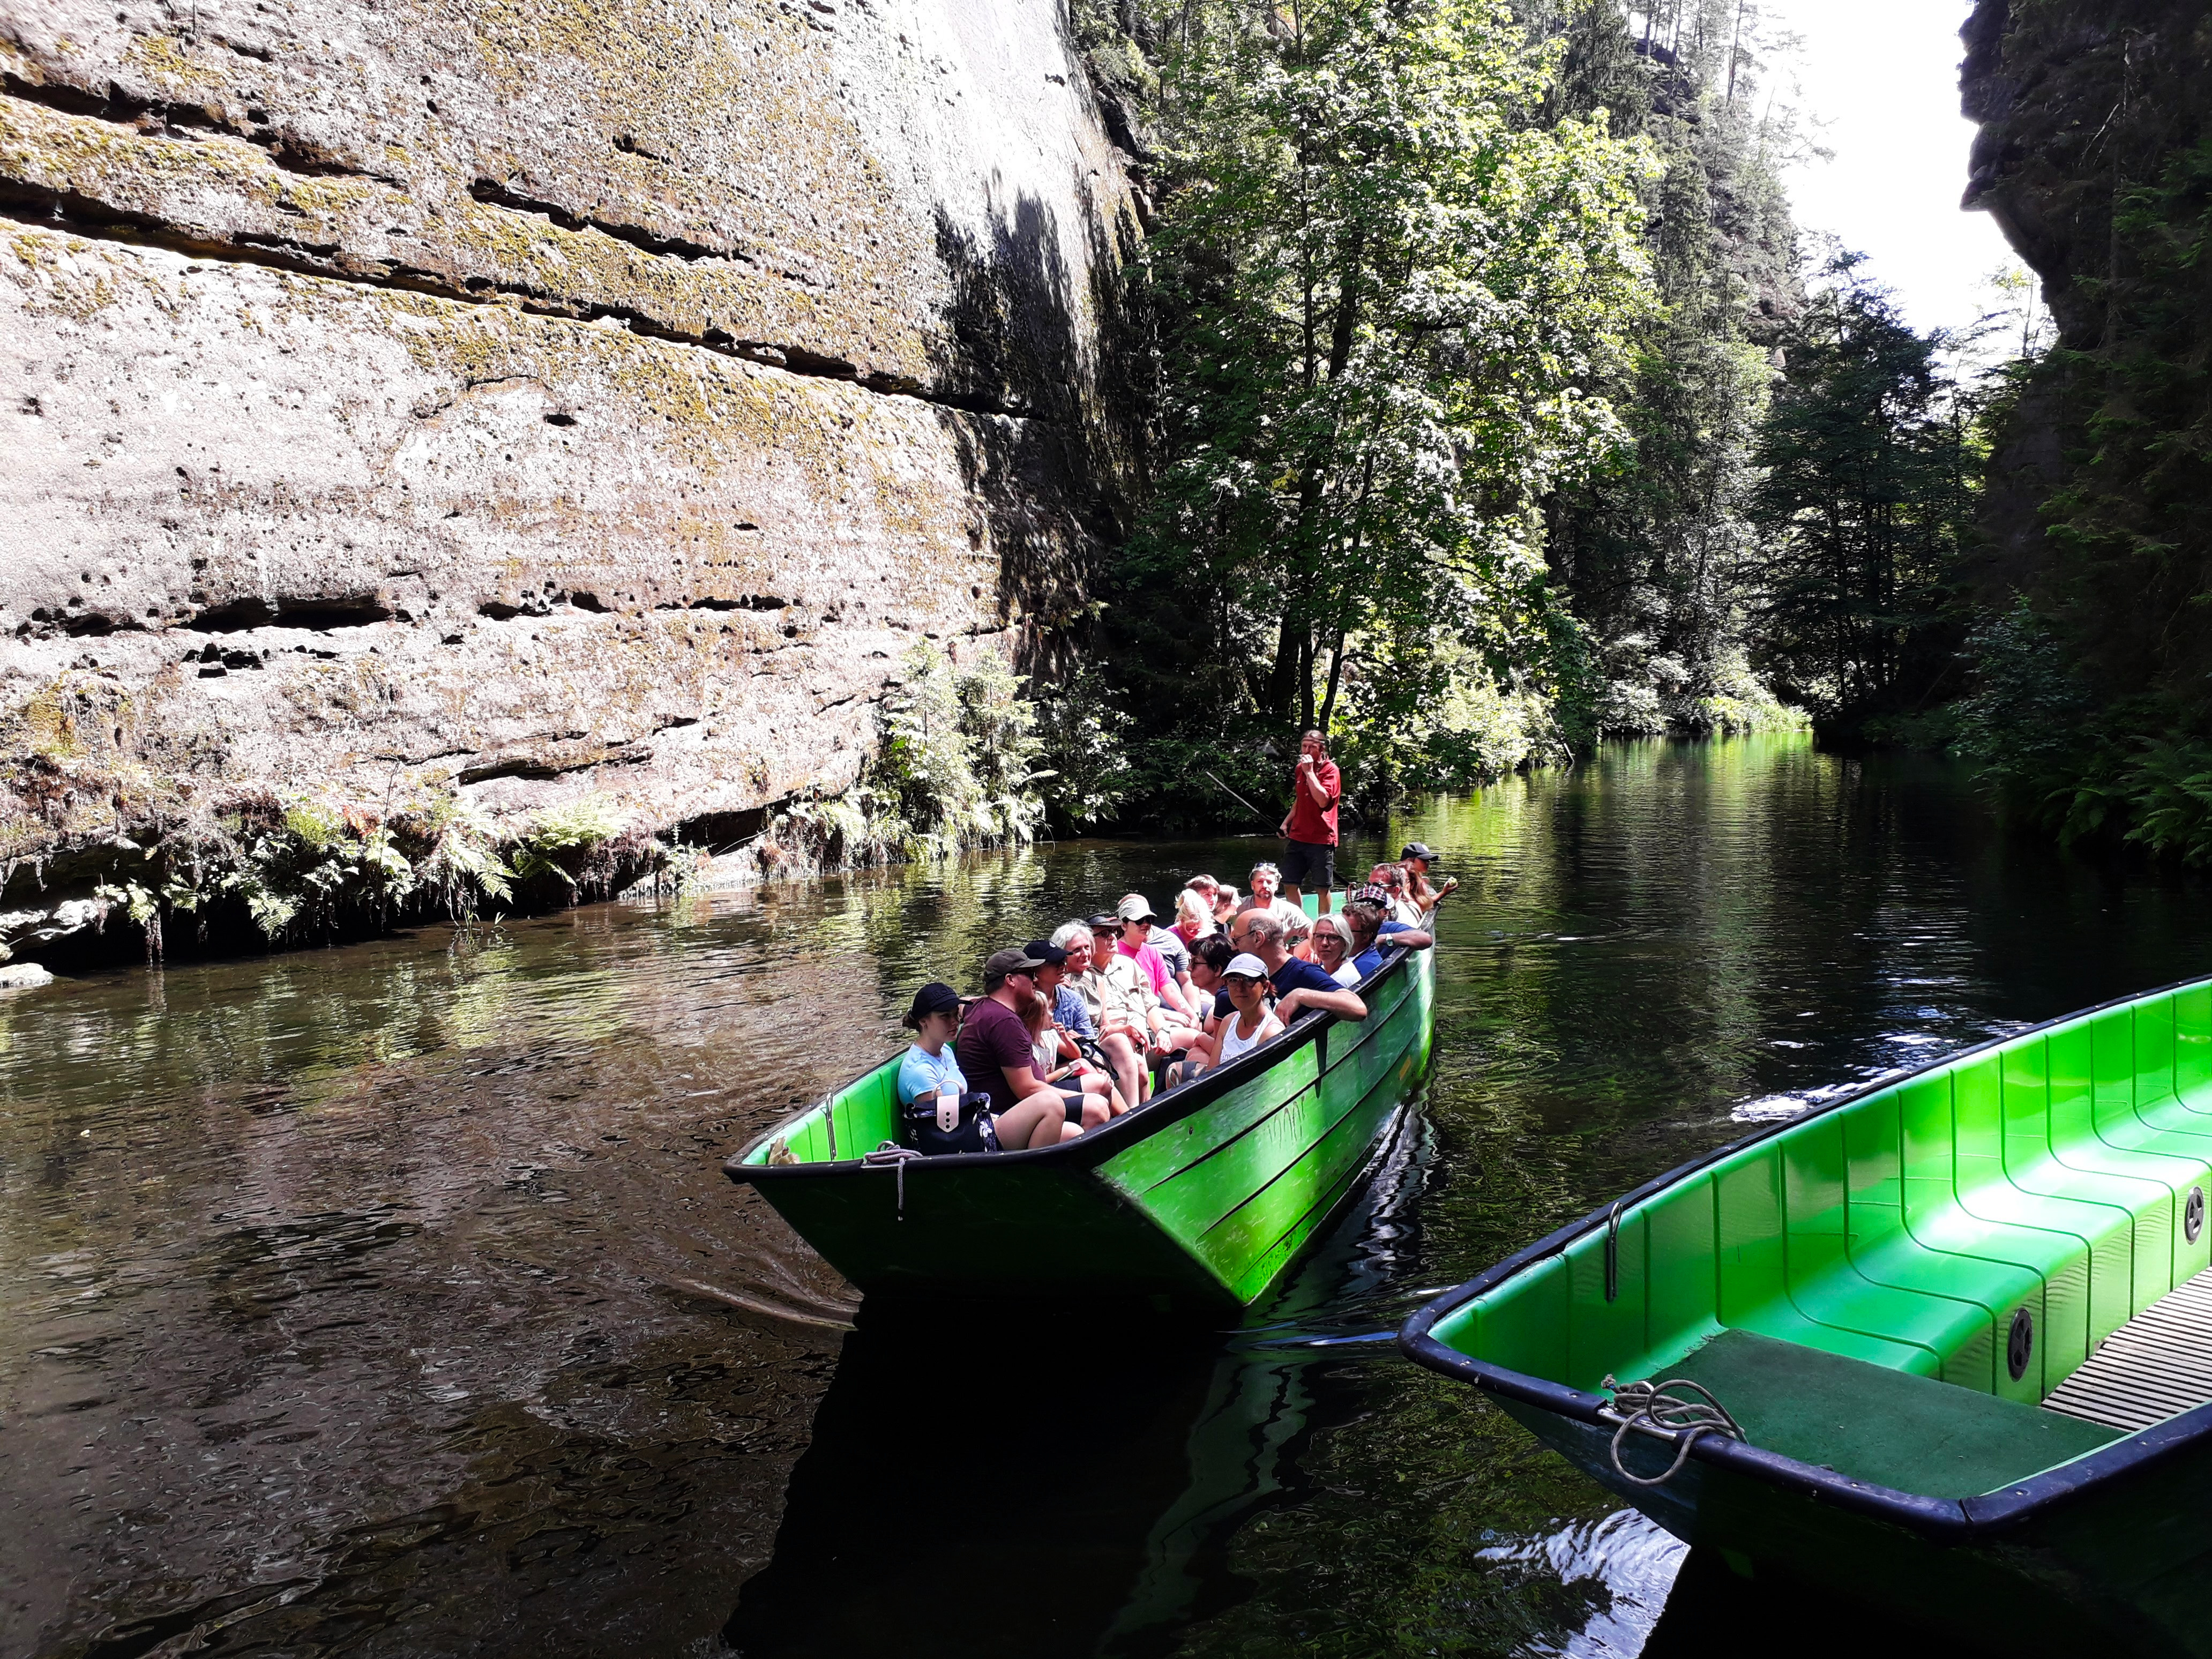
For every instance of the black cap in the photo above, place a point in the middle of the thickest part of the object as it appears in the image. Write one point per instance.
(931, 999)
(1051, 955)
(1106, 922)
(1417, 849)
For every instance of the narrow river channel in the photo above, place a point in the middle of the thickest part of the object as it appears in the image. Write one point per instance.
(389, 1299)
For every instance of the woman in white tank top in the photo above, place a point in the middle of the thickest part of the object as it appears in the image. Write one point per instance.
(1245, 979)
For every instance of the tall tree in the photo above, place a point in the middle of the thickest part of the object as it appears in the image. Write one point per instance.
(1387, 289)
(1862, 508)
(1653, 551)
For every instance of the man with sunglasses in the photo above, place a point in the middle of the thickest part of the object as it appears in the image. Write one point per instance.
(993, 1050)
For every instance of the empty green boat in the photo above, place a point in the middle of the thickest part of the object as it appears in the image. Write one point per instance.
(1959, 1323)
(1194, 1203)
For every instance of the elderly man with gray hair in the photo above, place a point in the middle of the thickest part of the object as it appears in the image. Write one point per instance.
(1300, 987)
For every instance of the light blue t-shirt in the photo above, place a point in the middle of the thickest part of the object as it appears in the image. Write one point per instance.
(921, 1071)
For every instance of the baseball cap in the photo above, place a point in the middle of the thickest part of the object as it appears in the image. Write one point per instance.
(1105, 922)
(1003, 962)
(1379, 896)
(1416, 849)
(1245, 966)
(1135, 906)
(933, 998)
(1046, 954)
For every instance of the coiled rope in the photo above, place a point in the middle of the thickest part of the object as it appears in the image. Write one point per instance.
(892, 1156)
(1657, 1409)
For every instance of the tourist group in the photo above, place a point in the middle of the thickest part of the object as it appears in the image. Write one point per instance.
(1114, 1010)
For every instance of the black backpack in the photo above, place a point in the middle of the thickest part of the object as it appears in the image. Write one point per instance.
(971, 1130)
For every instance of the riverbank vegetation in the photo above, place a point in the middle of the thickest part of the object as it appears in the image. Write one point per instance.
(1489, 405)
(1502, 408)
(1466, 313)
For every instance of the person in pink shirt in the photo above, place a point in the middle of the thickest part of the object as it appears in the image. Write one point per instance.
(1136, 920)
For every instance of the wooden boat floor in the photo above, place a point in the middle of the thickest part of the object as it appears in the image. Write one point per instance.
(2156, 1366)
(1886, 1427)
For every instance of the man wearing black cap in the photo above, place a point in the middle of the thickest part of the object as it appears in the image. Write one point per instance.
(1415, 861)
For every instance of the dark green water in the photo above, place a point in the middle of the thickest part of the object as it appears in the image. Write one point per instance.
(389, 1300)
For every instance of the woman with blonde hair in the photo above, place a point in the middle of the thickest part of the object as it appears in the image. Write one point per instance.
(1194, 916)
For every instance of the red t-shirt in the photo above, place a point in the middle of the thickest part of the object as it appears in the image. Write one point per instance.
(993, 1036)
(1315, 825)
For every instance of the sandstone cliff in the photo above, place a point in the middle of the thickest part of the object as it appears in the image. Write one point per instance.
(534, 401)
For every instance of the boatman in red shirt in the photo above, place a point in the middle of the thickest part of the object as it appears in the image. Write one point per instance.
(1310, 831)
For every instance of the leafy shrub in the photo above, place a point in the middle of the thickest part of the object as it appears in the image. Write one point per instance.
(298, 865)
(956, 769)
(1083, 737)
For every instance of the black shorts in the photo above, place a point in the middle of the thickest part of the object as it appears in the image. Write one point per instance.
(1071, 1096)
(1303, 858)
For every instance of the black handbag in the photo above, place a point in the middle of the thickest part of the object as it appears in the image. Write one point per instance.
(965, 1125)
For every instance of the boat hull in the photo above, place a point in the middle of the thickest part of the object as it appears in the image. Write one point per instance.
(2102, 1575)
(1199, 1201)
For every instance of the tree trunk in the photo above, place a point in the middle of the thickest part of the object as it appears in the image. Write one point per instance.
(1282, 679)
(1347, 305)
(1335, 678)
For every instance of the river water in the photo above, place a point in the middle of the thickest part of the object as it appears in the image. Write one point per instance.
(389, 1299)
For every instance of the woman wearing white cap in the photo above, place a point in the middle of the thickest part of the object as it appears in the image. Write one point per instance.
(1245, 979)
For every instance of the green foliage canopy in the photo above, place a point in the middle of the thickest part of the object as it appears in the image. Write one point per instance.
(1865, 496)
(1387, 293)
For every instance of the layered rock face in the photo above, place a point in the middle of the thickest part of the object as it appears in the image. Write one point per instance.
(2078, 101)
(530, 400)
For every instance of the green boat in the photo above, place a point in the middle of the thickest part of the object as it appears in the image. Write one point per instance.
(1943, 1345)
(1194, 1203)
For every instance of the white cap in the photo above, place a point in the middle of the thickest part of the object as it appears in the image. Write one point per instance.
(1248, 965)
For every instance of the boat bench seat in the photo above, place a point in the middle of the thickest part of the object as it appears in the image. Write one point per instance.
(1878, 1424)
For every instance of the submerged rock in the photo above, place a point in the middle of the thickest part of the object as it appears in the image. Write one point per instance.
(23, 976)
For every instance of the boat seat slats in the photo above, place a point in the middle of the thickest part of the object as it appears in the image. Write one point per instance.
(2157, 1364)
